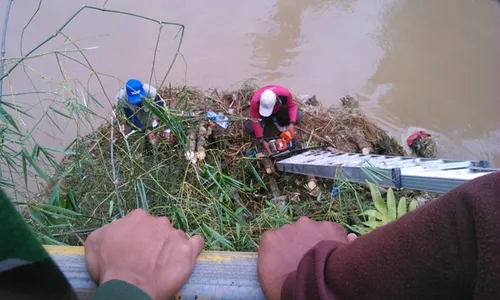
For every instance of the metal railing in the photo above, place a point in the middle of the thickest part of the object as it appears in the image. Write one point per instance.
(217, 275)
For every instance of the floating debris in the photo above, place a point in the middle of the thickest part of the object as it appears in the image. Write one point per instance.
(422, 144)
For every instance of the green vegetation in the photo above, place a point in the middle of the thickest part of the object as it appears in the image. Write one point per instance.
(384, 212)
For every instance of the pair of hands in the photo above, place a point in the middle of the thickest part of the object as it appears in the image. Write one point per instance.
(265, 145)
(149, 253)
(152, 136)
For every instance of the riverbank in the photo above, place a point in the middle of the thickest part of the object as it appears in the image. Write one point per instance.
(225, 195)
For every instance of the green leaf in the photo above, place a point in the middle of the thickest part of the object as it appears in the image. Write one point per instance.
(35, 166)
(377, 199)
(256, 175)
(35, 126)
(239, 211)
(9, 161)
(228, 211)
(49, 157)
(35, 152)
(94, 100)
(55, 196)
(372, 224)
(63, 151)
(49, 240)
(5, 183)
(57, 210)
(72, 199)
(233, 182)
(8, 118)
(55, 123)
(137, 195)
(371, 173)
(58, 226)
(358, 229)
(60, 113)
(16, 107)
(35, 216)
(25, 171)
(144, 198)
(373, 218)
(181, 220)
(391, 206)
(238, 231)
(413, 205)
(373, 214)
(401, 207)
(111, 205)
(218, 238)
(171, 121)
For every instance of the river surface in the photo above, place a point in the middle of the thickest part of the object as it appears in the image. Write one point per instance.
(413, 64)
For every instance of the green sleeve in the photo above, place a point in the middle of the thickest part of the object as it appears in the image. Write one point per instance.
(26, 269)
(28, 272)
(117, 289)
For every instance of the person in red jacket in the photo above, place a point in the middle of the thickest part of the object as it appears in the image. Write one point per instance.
(274, 103)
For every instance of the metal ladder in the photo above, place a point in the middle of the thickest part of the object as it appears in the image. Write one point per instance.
(425, 174)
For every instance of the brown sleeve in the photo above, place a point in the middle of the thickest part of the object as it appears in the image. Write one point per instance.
(447, 249)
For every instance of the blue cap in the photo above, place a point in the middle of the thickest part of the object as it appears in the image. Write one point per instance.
(135, 91)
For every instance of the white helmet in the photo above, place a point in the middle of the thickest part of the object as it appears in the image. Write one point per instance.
(267, 102)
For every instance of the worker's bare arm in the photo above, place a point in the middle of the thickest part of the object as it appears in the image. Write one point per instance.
(145, 251)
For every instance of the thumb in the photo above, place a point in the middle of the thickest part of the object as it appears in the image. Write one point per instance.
(197, 243)
(91, 261)
(351, 237)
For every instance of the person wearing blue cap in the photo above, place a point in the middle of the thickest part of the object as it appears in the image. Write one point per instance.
(138, 116)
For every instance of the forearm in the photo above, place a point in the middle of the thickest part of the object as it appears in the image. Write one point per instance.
(256, 126)
(257, 129)
(435, 252)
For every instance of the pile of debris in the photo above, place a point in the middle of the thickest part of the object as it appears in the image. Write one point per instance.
(209, 181)
(343, 127)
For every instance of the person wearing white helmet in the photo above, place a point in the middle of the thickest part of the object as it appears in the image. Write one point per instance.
(272, 102)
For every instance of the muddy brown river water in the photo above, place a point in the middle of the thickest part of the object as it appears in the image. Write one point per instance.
(413, 64)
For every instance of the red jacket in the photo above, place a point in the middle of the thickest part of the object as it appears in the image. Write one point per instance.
(284, 99)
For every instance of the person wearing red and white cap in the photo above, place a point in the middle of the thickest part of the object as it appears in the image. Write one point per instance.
(273, 102)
